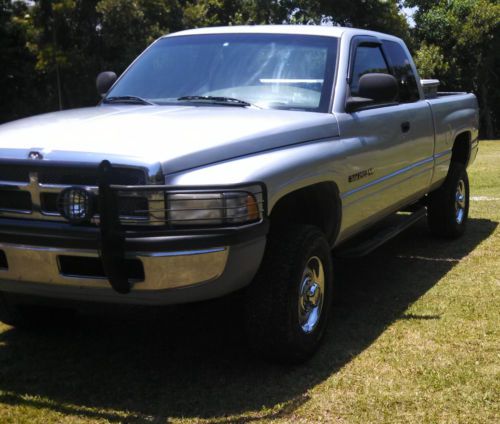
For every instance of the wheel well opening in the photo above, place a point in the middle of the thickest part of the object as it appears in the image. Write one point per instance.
(318, 205)
(461, 149)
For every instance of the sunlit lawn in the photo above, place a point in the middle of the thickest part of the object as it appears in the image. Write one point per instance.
(415, 339)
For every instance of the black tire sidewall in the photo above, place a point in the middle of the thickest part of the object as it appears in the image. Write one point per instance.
(456, 228)
(319, 248)
(441, 208)
(272, 300)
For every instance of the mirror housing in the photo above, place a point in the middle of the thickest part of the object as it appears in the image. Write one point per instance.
(354, 103)
(374, 88)
(104, 81)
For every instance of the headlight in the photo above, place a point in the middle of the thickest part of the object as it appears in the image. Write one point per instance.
(226, 208)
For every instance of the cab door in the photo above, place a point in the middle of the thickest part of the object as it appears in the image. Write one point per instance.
(389, 146)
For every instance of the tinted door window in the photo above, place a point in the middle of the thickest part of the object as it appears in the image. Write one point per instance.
(401, 69)
(368, 59)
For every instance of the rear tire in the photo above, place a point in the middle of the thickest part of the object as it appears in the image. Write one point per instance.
(448, 206)
(288, 303)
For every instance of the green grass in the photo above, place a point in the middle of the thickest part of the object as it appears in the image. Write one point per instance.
(415, 339)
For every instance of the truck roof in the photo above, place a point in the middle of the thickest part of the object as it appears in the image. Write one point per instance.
(322, 30)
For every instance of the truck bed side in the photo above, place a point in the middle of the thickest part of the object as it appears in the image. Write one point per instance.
(455, 115)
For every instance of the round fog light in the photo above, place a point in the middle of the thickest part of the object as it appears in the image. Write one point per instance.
(76, 204)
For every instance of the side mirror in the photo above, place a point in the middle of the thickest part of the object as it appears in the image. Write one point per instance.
(374, 88)
(104, 81)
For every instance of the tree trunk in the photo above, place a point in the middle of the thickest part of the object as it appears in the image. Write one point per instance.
(489, 130)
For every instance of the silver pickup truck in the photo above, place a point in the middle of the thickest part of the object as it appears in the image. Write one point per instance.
(231, 158)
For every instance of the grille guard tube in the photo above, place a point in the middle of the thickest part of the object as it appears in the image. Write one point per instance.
(113, 239)
(112, 243)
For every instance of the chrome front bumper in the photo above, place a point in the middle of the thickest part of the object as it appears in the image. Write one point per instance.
(169, 277)
(162, 270)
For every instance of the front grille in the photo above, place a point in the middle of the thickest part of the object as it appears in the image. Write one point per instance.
(12, 173)
(128, 206)
(48, 202)
(133, 206)
(88, 177)
(13, 200)
(35, 193)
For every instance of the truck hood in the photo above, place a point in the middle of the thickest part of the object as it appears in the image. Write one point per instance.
(176, 137)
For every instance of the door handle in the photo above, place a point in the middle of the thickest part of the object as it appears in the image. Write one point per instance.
(405, 127)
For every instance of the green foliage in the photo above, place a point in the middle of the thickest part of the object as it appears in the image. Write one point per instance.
(378, 15)
(126, 27)
(468, 31)
(19, 84)
(431, 61)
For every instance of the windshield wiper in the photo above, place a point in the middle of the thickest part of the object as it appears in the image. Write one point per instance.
(128, 99)
(216, 100)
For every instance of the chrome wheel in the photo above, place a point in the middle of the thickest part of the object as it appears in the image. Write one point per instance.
(460, 202)
(311, 294)
(288, 304)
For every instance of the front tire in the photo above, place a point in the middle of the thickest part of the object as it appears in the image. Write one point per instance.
(448, 206)
(288, 303)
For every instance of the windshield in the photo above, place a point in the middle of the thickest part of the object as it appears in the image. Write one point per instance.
(266, 70)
